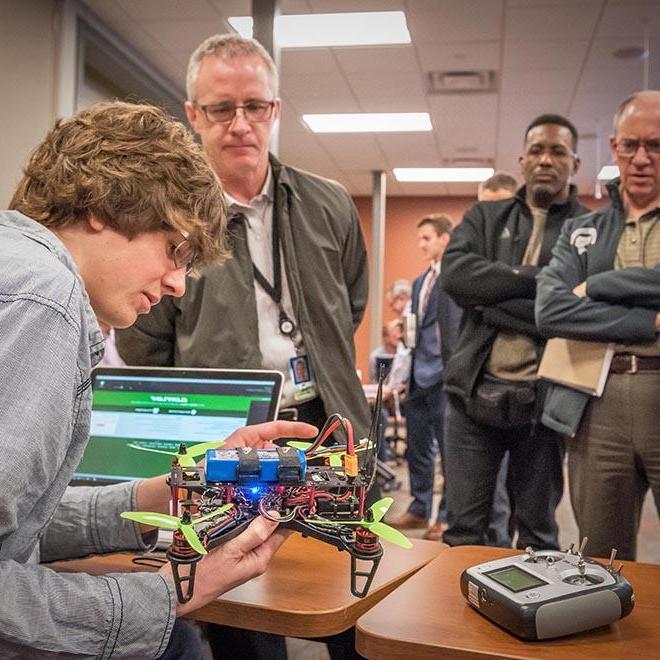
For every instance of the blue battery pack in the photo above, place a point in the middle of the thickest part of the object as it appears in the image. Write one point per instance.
(245, 466)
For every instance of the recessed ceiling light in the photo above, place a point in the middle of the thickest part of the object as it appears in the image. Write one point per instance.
(443, 174)
(369, 122)
(366, 28)
(608, 172)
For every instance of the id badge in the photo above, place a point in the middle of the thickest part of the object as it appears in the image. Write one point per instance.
(302, 377)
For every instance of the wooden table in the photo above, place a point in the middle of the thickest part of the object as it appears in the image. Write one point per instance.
(427, 617)
(304, 593)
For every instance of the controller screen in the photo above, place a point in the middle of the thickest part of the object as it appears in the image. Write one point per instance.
(515, 579)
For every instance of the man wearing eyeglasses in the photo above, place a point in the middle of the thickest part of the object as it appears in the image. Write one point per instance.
(491, 379)
(114, 207)
(296, 288)
(603, 284)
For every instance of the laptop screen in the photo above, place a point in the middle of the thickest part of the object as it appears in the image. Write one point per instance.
(160, 408)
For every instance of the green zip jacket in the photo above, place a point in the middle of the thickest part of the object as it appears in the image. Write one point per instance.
(215, 324)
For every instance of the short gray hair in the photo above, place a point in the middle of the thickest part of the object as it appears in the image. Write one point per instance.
(227, 46)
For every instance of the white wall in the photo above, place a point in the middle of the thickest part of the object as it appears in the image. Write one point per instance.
(27, 82)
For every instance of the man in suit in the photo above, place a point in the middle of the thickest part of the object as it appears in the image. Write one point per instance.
(436, 330)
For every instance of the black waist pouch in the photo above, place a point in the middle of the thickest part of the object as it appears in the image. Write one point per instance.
(503, 404)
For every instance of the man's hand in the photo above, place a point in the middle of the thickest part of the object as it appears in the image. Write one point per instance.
(261, 436)
(233, 563)
(580, 290)
(657, 322)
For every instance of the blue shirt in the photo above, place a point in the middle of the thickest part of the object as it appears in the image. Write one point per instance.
(49, 341)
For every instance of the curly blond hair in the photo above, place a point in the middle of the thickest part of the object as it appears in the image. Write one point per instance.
(132, 167)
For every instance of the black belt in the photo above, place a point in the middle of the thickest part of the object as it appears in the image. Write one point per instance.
(625, 363)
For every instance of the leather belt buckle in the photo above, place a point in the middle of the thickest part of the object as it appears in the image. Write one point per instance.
(634, 367)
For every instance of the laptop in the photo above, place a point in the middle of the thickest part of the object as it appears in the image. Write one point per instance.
(160, 408)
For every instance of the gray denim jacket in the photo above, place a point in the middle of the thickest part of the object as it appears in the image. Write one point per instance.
(49, 341)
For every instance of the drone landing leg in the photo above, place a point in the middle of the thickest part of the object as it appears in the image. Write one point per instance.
(367, 575)
(184, 583)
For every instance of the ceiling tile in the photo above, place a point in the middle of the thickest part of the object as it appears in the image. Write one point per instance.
(333, 6)
(539, 22)
(398, 103)
(385, 59)
(409, 150)
(186, 34)
(459, 56)
(549, 80)
(447, 21)
(542, 54)
(309, 61)
(234, 7)
(169, 9)
(108, 11)
(630, 19)
(366, 85)
(355, 151)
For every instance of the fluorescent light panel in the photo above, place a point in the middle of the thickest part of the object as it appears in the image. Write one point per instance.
(443, 174)
(608, 172)
(369, 122)
(340, 29)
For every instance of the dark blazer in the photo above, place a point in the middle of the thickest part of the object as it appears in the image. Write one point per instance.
(441, 312)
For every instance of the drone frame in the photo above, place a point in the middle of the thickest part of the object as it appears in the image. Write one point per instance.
(344, 525)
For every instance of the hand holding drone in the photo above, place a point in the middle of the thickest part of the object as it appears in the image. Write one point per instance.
(319, 491)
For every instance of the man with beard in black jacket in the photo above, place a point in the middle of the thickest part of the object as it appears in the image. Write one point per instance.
(489, 269)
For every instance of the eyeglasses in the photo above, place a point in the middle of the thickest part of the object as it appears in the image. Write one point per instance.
(224, 113)
(183, 255)
(628, 148)
(555, 151)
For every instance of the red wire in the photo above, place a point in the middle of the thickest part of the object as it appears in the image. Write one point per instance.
(331, 429)
(350, 444)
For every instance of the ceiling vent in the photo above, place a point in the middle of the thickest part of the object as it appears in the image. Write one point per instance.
(456, 82)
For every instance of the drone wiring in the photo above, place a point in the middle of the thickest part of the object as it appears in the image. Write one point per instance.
(319, 491)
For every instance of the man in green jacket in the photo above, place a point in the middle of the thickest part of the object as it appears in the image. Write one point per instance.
(296, 288)
(603, 284)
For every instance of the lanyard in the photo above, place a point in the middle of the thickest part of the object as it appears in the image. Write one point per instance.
(286, 325)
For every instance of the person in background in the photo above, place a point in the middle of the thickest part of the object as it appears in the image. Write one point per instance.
(436, 329)
(115, 206)
(398, 295)
(384, 354)
(501, 185)
(296, 288)
(493, 392)
(603, 284)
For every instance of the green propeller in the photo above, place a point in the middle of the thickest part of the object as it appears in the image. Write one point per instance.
(186, 455)
(185, 524)
(378, 510)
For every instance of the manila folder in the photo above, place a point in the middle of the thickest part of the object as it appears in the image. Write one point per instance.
(581, 365)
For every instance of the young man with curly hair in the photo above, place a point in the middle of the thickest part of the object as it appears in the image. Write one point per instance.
(115, 206)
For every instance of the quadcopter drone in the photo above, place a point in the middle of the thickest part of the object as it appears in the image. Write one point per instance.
(319, 491)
